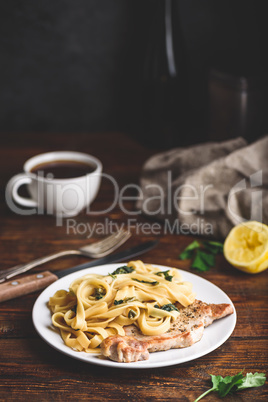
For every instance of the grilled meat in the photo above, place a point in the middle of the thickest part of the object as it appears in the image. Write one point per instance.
(186, 330)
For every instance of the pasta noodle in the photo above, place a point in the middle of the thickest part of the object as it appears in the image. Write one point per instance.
(97, 306)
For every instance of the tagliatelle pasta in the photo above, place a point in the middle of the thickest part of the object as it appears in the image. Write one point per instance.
(97, 306)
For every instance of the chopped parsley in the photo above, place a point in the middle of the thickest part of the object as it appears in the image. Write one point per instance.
(116, 302)
(129, 299)
(122, 270)
(167, 307)
(126, 300)
(99, 293)
(132, 314)
(150, 283)
(166, 275)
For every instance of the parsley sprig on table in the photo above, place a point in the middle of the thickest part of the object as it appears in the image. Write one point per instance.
(202, 254)
(230, 384)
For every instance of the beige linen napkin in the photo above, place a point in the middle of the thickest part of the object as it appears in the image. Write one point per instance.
(206, 189)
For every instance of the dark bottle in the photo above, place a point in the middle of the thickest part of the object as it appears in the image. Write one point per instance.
(165, 83)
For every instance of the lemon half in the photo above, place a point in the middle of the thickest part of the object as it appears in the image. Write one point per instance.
(246, 247)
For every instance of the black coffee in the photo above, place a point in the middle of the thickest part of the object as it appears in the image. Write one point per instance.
(63, 169)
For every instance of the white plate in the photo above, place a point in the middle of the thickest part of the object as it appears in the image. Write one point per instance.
(214, 336)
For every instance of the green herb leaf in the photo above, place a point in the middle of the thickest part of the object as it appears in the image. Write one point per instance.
(186, 255)
(213, 246)
(209, 259)
(116, 302)
(193, 245)
(99, 293)
(216, 244)
(123, 270)
(129, 299)
(132, 314)
(252, 380)
(189, 251)
(150, 283)
(203, 261)
(166, 275)
(167, 307)
(198, 263)
(126, 300)
(202, 254)
(229, 384)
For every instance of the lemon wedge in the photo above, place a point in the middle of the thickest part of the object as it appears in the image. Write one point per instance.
(246, 247)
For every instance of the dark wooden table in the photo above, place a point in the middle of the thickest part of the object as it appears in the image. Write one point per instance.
(33, 371)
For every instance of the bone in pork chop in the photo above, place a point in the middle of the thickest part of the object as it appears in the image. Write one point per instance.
(186, 330)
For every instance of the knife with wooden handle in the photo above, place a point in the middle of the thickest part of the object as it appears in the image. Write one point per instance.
(32, 283)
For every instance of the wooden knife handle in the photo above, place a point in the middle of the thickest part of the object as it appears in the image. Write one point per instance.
(27, 284)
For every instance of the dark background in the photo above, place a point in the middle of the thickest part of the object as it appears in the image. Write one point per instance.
(77, 66)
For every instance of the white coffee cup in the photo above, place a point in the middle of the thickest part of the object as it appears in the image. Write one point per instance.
(61, 197)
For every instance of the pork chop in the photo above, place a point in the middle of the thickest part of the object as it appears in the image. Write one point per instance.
(186, 330)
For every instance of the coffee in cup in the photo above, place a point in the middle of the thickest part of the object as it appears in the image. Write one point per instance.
(62, 183)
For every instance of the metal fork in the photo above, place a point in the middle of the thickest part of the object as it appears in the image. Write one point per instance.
(95, 250)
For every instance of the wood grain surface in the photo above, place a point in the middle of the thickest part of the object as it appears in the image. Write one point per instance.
(30, 370)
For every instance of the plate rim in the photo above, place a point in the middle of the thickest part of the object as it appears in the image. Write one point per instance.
(85, 357)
